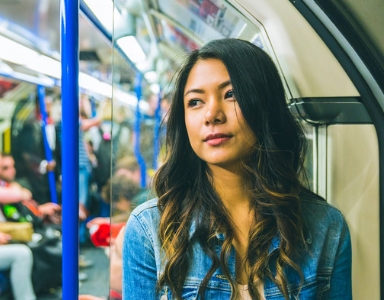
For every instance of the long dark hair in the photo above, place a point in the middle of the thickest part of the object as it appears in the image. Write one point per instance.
(185, 190)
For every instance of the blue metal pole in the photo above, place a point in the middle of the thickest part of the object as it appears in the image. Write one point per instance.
(139, 157)
(156, 133)
(93, 107)
(36, 19)
(47, 148)
(69, 13)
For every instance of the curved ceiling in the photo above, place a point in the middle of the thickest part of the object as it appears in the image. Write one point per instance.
(167, 30)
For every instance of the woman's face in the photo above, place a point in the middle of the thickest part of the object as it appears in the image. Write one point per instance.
(215, 125)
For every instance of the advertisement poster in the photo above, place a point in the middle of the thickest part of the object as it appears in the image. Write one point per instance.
(208, 19)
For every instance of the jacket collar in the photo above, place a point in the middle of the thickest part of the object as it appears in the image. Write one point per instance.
(275, 244)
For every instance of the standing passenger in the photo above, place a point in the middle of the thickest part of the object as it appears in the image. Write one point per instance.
(232, 219)
(85, 166)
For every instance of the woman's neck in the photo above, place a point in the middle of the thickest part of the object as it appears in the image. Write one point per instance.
(231, 188)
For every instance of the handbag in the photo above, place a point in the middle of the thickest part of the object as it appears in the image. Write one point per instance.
(19, 231)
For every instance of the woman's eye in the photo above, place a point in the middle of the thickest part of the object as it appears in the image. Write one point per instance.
(229, 94)
(193, 102)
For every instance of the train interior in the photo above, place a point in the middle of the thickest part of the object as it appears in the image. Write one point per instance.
(329, 54)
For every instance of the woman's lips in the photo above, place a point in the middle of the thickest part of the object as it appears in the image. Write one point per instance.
(217, 139)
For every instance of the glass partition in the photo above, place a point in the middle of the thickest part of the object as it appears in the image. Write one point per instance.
(153, 37)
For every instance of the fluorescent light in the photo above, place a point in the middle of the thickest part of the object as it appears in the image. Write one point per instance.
(4, 67)
(46, 65)
(94, 85)
(16, 53)
(19, 54)
(129, 99)
(131, 47)
(124, 97)
(41, 80)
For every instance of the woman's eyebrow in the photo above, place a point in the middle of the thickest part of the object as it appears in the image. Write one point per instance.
(201, 91)
(224, 84)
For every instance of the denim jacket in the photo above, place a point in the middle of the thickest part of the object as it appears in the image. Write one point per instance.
(326, 265)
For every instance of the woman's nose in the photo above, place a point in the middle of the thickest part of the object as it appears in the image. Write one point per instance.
(214, 113)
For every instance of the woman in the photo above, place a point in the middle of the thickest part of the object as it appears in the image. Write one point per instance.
(232, 219)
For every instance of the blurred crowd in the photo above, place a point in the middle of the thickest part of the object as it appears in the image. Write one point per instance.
(114, 177)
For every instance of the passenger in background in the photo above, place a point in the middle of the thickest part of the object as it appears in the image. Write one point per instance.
(116, 266)
(17, 259)
(129, 167)
(102, 173)
(153, 102)
(119, 191)
(232, 219)
(28, 147)
(12, 192)
(85, 165)
(164, 106)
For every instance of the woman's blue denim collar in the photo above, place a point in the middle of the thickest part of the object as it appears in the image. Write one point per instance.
(275, 244)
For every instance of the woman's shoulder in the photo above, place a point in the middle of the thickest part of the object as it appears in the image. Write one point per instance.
(147, 214)
(149, 206)
(143, 222)
(317, 211)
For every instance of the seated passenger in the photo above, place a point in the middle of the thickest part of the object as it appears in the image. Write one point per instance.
(12, 192)
(122, 189)
(18, 260)
(129, 167)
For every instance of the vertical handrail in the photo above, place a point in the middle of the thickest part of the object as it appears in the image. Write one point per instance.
(156, 132)
(93, 107)
(137, 129)
(47, 148)
(69, 15)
